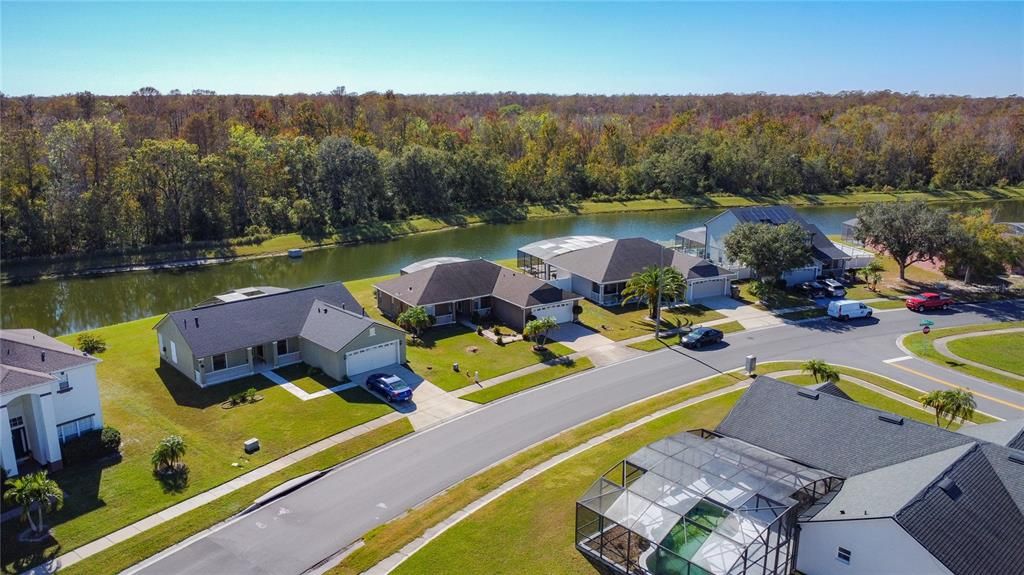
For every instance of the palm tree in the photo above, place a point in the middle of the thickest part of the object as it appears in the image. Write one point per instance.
(938, 400)
(539, 328)
(645, 285)
(960, 405)
(168, 453)
(820, 370)
(872, 273)
(414, 319)
(34, 492)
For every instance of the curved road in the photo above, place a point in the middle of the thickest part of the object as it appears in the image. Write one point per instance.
(301, 530)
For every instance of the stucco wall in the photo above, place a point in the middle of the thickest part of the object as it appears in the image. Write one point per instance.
(388, 305)
(317, 356)
(581, 286)
(508, 314)
(717, 229)
(381, 334)
(170, 332)
(83, 399)
(878, 547)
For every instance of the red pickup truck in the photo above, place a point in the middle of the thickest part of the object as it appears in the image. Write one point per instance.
(928, 301)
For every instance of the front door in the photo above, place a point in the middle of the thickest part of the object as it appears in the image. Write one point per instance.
(20, 440)
(258, 353)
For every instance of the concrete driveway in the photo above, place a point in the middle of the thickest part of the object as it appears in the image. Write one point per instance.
(430, 404)
(578, 338)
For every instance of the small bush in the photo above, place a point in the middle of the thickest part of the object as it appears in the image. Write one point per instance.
(497, 331)
(249, 395)
(479, 330)
(91, 445)
(110, 438)
(500, 341)
(91, 343)
(577, 309)
(235, 398)
(312, 371)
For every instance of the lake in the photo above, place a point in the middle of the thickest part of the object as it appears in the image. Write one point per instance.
(69, 305)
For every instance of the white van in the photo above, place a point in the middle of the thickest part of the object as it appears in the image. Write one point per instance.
(845, 309)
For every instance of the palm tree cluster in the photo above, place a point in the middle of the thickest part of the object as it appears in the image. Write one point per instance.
(35, 493)
(820, 370)
(168, 453)
(539, 329)
(952, 404)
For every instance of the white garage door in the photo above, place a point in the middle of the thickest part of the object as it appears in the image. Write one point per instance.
(562, 312)
(371, 357)
(703, 289)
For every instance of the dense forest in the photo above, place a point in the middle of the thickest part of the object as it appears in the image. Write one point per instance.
(82, 173)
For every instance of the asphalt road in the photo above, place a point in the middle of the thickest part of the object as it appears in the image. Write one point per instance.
(296, 532)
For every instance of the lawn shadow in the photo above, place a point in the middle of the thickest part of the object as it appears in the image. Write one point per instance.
(187, 393)
(28, 554)
(174, 480)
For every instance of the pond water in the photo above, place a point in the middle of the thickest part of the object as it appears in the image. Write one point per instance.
(68, 305)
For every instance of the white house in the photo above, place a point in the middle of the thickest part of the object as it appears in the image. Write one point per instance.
(828, 259)
(48, 395)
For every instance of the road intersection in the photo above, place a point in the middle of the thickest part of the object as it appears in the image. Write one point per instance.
(299, 531)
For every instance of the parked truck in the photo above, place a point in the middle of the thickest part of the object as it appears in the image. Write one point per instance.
(927, 301)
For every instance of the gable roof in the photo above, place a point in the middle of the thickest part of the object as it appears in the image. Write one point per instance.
(830, 388)
(457, 281)
(967, 519)
(773, 415)
(332, 327)
(222, 327)
(28, 357)
(618, 260)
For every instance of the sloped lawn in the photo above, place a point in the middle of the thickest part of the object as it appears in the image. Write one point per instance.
(629, 321)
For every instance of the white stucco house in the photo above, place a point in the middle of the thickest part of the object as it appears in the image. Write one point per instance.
(48, 395)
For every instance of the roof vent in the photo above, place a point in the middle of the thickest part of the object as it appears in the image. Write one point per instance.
(197, 322)
(807, 394)
(1016, 458)
(891, 419)
(950, 488)
(42, 356)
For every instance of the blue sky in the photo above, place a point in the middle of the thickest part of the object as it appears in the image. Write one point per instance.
(270, 48)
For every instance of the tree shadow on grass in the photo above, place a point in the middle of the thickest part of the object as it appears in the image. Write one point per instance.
(20, 556)
(187, 393)
(173, 480)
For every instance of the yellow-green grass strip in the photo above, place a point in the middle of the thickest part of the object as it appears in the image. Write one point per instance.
(1003, 351)
(529, 380)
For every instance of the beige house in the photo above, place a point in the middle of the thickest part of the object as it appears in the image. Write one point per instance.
(322, 326)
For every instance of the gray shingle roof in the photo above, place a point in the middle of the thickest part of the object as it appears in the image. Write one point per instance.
(975, 528)
(459, 281)
(331, 327)
(1008, 433)
(830, 388)
(822, 248)
(772, 415)
(227, 326)
(618, 260)
(32, 356)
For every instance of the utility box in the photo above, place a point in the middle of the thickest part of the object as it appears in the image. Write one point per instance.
(251, 445)
(751, 364)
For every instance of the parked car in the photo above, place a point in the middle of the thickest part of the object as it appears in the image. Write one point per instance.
(835, 288)
(700, 337)
(845, 309)
(814, 289)
(928, 301)
(390, 386)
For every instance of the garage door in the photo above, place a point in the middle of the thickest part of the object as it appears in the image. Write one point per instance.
(562, 312)
(373, 357)
(710, 288)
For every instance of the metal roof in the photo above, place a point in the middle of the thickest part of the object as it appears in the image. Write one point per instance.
(694, 235)
(429, 263)
(548, 248)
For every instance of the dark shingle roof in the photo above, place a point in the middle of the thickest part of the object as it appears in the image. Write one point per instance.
(471, 279)
(227, 326)
(617, 261)
(830, 388)
(1009, 433)
(833, 434)
(31, 356)
(331, 327)
(968, 520)
(821, 247)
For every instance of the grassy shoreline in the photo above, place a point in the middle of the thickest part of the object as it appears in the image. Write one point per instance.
(58, 266)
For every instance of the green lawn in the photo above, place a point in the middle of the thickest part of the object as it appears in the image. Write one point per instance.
(529, 380)
(781, 300)
(443, 346)
(148, 402)
(1002, 351)
(300, 376)
(805, 314)
(625, 322)
(531, 529)
(888, 304)
(921, 345)
(127, 553)
(386, 539)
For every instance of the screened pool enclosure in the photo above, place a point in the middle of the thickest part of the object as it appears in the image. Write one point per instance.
(698, 503)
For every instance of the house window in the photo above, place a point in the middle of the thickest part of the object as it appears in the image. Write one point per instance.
(160, 338)
(174, 352)
(74, 428)
(844, 555)
(282, 346)
(17, 422)
(64, 385)
(373, 332)
(220, 361)
(595, 287)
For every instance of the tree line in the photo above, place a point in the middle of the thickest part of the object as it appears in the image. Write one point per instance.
(82, 173)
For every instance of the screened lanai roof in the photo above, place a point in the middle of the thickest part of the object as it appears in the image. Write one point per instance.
(429, 263)
(548, 248)
(708, 501)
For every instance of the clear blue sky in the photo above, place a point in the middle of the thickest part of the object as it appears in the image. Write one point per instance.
(270, 48)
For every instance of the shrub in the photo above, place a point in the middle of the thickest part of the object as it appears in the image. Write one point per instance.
(577, 309)
(168, 453)
(313, 371)
(497, 331)
(91, 343)
(249, 395)
(110, 438)
(530, 318)
(479, 330)
(500, 340)
(235, 398)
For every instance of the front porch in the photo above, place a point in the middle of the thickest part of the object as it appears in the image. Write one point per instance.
(29, 434)
(238, 363)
